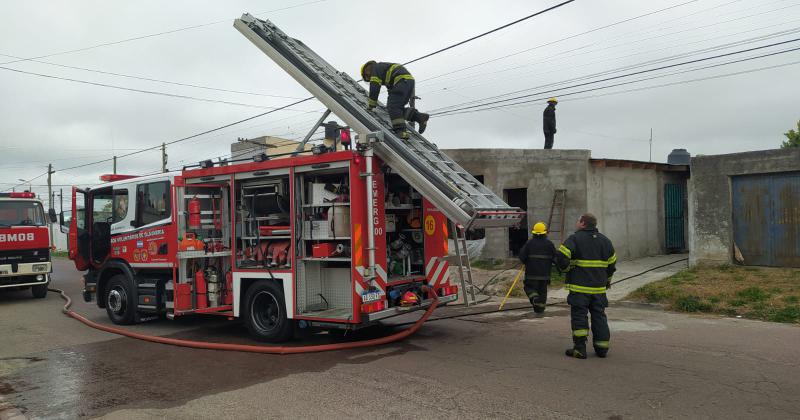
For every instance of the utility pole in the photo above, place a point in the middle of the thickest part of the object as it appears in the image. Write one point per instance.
(50, 172)
(163, 157)
(115, 165)
(651, 144)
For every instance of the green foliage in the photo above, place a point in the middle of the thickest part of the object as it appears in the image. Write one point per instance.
(691, 304)
(753, 294)
(787, 314)
(792, 138)
(791, 299)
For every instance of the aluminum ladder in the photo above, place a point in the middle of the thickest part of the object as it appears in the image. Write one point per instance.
(438, 178)
(464, 267)
(555, 223)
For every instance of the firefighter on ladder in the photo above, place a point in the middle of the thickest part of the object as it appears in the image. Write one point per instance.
(400, 86)
(538, 255)
(590, 260)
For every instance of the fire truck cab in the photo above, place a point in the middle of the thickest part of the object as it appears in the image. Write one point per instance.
(24, 243)
(282, 243)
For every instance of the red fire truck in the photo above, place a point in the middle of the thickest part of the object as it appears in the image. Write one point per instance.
(24, 243)
(273, 242)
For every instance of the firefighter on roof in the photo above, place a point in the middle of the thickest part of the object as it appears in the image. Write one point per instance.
(591, 261)
(400, 86)
(538, 255)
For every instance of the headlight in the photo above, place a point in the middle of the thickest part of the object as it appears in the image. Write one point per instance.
(39, 268)
(40, 278)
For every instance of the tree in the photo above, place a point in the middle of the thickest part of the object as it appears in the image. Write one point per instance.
(793, 138)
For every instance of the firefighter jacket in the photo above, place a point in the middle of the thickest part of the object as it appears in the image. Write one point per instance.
(386, 74)
(549, 119)
(590, 260)
(538, 255)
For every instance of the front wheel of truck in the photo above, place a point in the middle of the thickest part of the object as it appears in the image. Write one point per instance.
(120, 306)
(40, 290)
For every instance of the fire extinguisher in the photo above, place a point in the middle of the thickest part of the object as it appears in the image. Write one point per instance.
(194, 213)
(228, 300)
(200, 289)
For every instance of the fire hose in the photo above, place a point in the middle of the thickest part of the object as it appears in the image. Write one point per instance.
(246, 347)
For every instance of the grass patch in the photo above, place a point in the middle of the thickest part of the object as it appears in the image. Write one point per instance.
(489, 263)
(770, 294)
(59, 254)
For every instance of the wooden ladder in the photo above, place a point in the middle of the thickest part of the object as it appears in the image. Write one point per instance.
(555, 223)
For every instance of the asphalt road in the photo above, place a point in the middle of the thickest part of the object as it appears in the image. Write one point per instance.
(509, 365)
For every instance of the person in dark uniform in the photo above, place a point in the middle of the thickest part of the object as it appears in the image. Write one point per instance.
(538, 255)
(590, 261)
(400, 86)
(549, 117)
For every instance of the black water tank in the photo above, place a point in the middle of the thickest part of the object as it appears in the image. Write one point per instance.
(678, 157)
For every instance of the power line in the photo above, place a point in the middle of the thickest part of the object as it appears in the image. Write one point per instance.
(149, 92)
(148, 79)
(136, 38)
(623, 75)
(637, 40)
(557, 41)
(631, 90)
(491, 31)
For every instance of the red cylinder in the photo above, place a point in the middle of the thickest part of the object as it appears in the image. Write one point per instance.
(194, 213)
(201, 289)
(228, 299)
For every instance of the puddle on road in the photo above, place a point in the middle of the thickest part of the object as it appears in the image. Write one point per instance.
(635, 326)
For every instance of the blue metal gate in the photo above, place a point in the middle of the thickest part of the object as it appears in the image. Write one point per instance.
(766, 218)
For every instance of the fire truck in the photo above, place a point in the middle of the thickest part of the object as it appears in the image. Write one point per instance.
(24, 243)
(326, 238)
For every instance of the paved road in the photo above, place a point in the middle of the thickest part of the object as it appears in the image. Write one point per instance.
(508, 365)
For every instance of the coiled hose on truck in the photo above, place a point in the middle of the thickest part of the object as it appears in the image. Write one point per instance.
(246, 347)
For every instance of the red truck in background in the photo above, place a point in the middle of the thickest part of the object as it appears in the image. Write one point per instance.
(24, 243)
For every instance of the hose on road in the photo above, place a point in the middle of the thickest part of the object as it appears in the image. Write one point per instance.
(246, 347)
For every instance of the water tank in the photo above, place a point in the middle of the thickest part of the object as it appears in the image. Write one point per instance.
(678, 157)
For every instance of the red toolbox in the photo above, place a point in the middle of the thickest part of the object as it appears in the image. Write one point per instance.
(323, 250)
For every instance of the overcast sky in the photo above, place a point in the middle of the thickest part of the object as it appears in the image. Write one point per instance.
(66, 123)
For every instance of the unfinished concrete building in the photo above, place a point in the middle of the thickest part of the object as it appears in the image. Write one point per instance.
(746, 201)
(640, 206)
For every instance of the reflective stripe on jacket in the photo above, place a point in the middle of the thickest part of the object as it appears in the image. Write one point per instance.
(386, 74)
(590, 260)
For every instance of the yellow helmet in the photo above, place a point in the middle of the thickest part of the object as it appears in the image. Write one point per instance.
(553, 100)
(363, 67)
(539, 229)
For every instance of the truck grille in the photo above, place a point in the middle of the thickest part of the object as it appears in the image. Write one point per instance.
(24, 256)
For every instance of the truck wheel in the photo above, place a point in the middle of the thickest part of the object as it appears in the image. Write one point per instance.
(40, 290)
(265, 312)
(120, 306)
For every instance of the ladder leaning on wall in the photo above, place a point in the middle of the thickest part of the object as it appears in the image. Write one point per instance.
(555, 223)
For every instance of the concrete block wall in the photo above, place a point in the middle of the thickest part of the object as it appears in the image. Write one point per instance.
(540, 171)
(710, 208)
(626, 203)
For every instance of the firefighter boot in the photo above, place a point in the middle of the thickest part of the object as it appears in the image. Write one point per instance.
(422, 120)
(601, 348)
(402, 133)
(578, 350)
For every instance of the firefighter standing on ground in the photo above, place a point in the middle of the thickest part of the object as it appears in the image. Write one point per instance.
(538, 255)
(549, 122)
(400, 86)
(591, 260)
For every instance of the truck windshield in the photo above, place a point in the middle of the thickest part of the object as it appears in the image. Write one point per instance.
(21, 213)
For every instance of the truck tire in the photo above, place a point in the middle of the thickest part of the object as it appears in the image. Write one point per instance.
(40, 290)
(265, 312)
(120, 306)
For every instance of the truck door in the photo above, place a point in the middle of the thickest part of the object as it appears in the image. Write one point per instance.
(78, 236)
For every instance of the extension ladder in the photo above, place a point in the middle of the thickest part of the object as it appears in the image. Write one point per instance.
(464, 267)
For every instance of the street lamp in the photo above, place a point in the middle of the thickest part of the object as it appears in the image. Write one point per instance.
(30, 187)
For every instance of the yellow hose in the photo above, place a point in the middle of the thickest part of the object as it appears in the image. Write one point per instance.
(516, 279)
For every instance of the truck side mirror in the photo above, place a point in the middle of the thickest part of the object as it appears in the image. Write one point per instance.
(52, 215)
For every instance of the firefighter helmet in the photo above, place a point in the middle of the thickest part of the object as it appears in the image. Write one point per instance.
(553, 100)
(539, 229)
(364, 67)
(409, 299)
